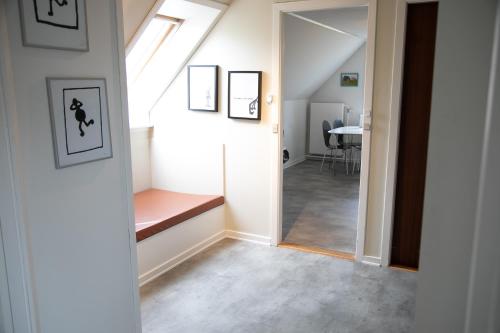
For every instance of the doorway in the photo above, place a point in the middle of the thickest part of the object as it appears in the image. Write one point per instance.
(416, 93)
(340, 167)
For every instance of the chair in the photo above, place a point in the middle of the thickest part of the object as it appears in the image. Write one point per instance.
(341, 144)
(357, 162)
(329, 147)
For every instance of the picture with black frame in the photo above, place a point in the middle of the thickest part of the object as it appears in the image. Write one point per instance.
(203, 88)
(244, 94)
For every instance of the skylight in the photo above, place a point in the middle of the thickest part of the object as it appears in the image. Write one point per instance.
(163, 45)
(156, 32)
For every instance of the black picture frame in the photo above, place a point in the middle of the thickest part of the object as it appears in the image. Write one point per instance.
(194, 105)
(255, 103)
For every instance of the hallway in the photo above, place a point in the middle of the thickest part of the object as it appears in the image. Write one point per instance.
(238, 286)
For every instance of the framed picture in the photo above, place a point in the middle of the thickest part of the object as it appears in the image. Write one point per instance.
(244, 95)
(203, 88)
(54, 24)
(349, 79)
(80, 120)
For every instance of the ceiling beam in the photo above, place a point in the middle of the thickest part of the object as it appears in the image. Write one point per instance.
(325, 25)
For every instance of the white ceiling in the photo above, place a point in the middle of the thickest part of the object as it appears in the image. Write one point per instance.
(313, 53)
(352, 20)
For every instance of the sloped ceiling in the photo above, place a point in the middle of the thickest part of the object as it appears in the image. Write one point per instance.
(135, 11)
(313, 53)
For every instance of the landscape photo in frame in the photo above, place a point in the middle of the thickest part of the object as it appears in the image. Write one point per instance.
(57, 24)
(80, 120)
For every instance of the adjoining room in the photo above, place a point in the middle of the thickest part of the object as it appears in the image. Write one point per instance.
(323, 81)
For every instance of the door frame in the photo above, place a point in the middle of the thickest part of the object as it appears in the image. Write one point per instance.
(279, 9)
(19, 300)
(394, 126)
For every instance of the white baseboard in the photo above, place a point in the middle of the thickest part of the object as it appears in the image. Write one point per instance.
(180, 258)
(369, 260)
(294, 162)
(244, 236)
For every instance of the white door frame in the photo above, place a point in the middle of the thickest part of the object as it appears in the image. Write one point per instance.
(127, 159)
(394, 124)
(277, 115)
(19, 300)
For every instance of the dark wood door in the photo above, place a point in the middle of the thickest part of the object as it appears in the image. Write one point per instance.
(414, 131)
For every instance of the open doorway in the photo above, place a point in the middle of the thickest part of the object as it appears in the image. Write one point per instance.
(326, 76)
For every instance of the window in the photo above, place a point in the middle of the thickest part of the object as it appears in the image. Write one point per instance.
(148, 43)
(161, 48)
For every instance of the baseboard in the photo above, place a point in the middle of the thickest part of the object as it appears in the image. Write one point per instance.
(294, 162)
(171, 263)
(369, 260)
(248, 237)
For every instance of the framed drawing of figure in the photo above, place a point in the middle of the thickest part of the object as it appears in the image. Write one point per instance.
(55, 24)
(80, 120)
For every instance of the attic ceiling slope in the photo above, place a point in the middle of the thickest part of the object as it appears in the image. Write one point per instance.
(313, 54)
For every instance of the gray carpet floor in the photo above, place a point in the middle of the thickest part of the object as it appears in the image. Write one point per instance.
(242, 287)
(320, 209)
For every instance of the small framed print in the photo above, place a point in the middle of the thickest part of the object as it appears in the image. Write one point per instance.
(80, 120)
(54, 24)
(244, 94)
(203, 88)
(349, 79)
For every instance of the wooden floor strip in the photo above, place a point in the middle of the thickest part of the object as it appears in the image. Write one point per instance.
(318, 250)
(402, 268)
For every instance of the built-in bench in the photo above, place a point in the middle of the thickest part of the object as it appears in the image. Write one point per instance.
(157, 210)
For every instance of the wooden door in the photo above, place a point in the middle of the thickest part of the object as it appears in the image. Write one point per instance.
(414, 131)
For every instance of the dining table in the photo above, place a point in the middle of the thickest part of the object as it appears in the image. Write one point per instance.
(347, 130)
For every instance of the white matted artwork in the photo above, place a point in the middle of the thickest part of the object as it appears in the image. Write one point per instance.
(244, 94)
(80, 120)
(203, 92)
(56, 24)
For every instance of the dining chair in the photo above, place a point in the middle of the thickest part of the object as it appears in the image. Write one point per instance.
(341, 144)
(329, 147)
(356, 160)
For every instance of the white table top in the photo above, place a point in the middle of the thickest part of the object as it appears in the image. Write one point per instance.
(354, 130)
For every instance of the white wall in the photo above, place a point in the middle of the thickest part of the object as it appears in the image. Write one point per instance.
(76, 218)
(236, 43)
(192, 167)
(331, 91)
(5, 311)
(295, 129)
(165, 250)
(456, 137)
(311, 55)
(140, 146)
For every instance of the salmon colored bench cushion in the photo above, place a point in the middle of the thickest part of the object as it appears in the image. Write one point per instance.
(158, 210)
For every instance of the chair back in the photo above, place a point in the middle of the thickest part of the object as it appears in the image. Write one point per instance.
(326, 135)
(340, 137)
